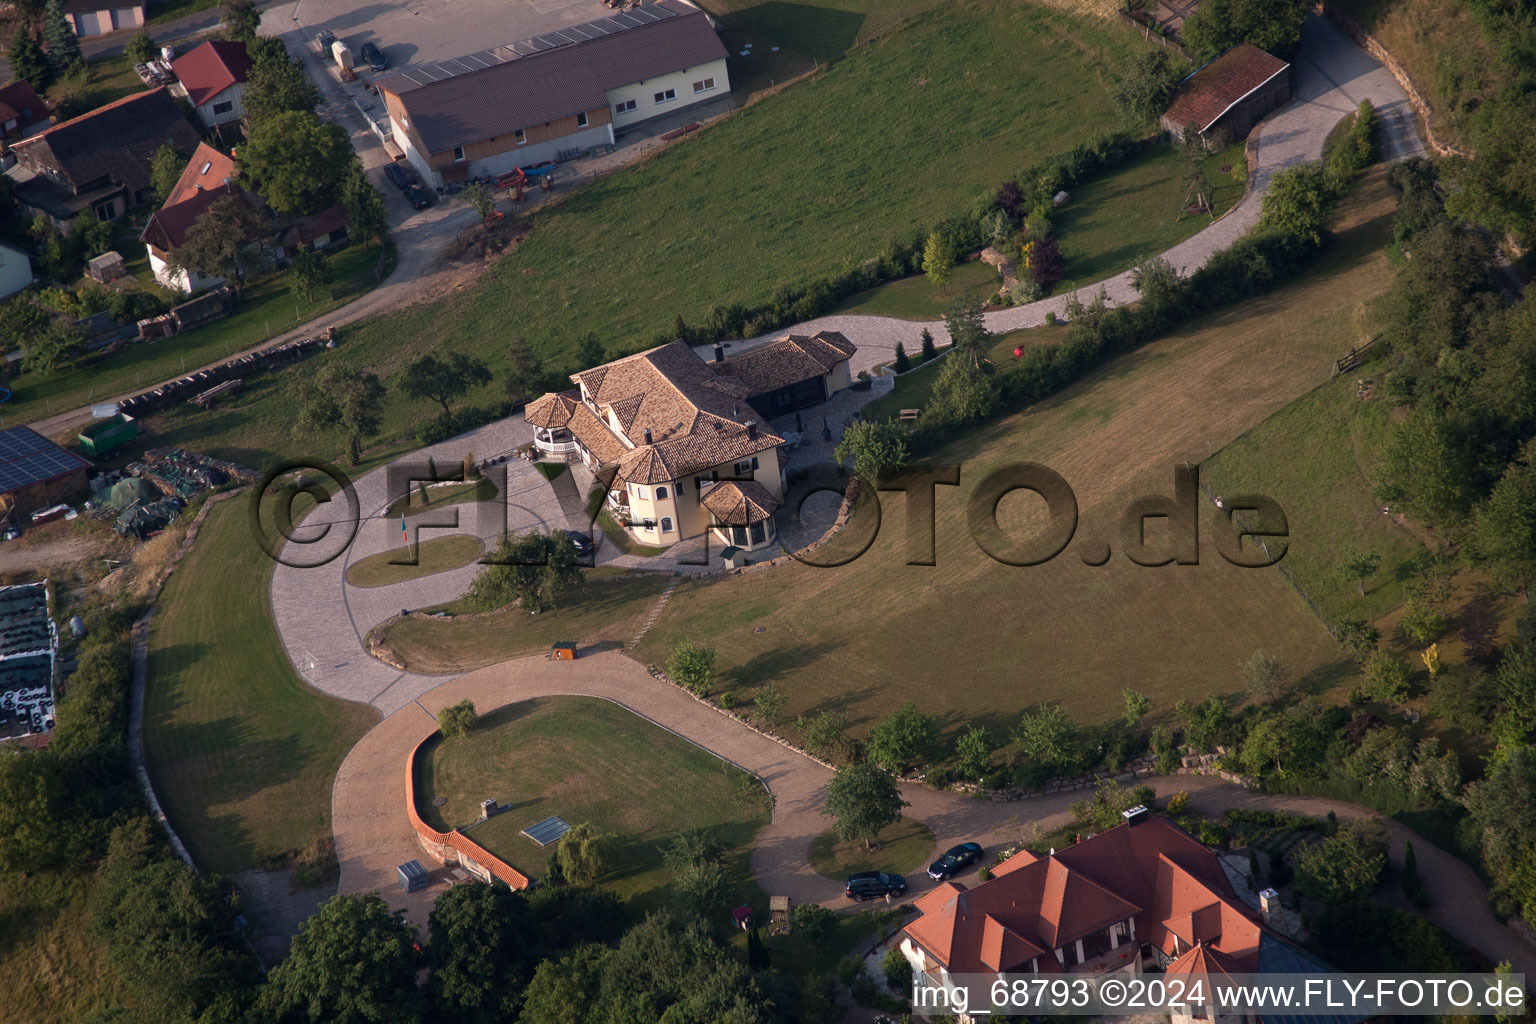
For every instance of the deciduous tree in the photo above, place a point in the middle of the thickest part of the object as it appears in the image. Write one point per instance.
(276, 85)
(353, 962)
(141, 49)
(769, 703)
(295, 161)
(443, 379)
(241, 19)
(306, 272)
(1358, 566)
(973, 752)
(584, 854)
(485, 947)
(535, 568)
(878, 449)
(1137, 704)
(863, 799)
(456, 720)
(1344, 866)
(339, 396)
(1143, 91)
(165, 168)
(692, 664)
(939, 258)
(902, 738)
(221, 243)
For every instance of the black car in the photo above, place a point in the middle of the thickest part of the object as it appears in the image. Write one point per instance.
(418, 197)
(871, 885)
(955, 858)
(374, 56)
(397, 176)
(584, 543)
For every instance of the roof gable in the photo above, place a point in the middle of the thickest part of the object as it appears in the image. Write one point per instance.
(1213, 89)
(115, 141)
(209, 69)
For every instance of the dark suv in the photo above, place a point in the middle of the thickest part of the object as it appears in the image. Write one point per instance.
(871, 885)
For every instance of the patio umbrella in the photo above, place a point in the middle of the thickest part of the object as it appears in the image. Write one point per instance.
(826, 430)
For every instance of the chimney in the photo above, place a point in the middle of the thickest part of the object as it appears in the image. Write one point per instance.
(1269, 901)
(751, 430)
(645, 438)
(719, 352)
(1135, 815)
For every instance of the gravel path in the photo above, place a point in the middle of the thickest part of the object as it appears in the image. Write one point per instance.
(373, 835)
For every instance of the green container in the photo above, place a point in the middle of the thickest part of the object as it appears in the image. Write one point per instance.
(105, 435)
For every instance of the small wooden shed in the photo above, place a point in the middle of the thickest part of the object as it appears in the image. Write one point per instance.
(106, 268)
(1225, 98)
(563, 650)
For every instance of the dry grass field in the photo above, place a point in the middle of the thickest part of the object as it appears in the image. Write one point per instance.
(975, 641)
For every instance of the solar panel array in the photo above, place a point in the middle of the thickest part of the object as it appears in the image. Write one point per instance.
(547, 831)
(426, 74)
(27, 457)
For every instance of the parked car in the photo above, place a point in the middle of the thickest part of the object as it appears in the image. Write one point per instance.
(397, 176)
(955, 859)
(418, 197)
(374, 56)
(584, 543)
(871, 885)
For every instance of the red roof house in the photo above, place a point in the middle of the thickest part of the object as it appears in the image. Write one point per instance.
(1228, 96)
(212, 77)
(20, 110)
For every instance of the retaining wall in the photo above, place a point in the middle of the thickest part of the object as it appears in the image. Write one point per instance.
(455, 847)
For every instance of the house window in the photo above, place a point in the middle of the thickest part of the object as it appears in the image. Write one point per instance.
(581, 119)
(648, 524)
(666, 96)
(624, 108)
(223, 108)
(704, 86)
(743, 468)
(641, 492)
(756, 534)
(679, 487)
(739, 536)
(458, 154)
(106, 210)
(661, 492)
(666, 525)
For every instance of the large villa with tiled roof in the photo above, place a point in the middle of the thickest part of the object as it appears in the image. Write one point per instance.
(1145, 894)
(684, 438)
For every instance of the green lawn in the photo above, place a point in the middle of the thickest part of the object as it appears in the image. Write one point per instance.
(898, 134)
(430, 556)
(270, 308)
(242, 753)
(902, 848)
(914, 387)
(441, 496)
(589, 760)
(607, 611)
(52, 965)
(105, 80)
(869, 635)
(1317, 458)
(1111, 222)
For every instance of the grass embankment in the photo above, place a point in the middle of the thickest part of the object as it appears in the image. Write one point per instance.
(1111, 222)
(237, 745)
(941, 108)
(865, 637)
(269, 308)
(589, 760)
(607, 611)
(51, 962)
(902, 848)
(429, 498)
(430, 557)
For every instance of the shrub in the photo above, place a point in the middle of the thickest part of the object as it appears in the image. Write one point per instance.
(897, 970)
(1050, 318)
(692, 665)
(457, 719)
(985, 874)
(811, 921)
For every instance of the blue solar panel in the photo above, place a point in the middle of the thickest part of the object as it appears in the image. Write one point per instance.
(27, 457)
(547, 831)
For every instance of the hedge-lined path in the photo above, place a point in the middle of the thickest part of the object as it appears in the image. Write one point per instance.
(374, 836)
(1332, 76)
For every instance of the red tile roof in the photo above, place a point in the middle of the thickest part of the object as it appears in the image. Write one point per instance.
(1153, 873)
(168, 226)
(23, 104)
(207, 169)
(1211, 91)
(209, 69)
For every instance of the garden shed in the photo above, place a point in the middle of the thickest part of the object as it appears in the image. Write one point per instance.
(1225, 98)
(106, 268)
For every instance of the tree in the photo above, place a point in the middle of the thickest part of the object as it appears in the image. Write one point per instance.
(702, 890)
(897, 970)
(28, 60)
(364, 205)
(1386, 677)
(338, 396)
(878, 449)
(863, 799)
(811, 921)
(47, 352)
(60, 39)
(1344, 866)
(1413, 887)
(1358, 637)
(902, 738)
(484, 949)
(823, 734)
(769, 702)
(692, 665)
(1196, 186)
(1203, 722)
(1502, 808)
(1143, 92)
(939, 258)
(482, 200)
(353, 962)
(1293, 740)
(928, 348)
(165, 168)
(963, 393)
(456, 720)
(306, 272)
(525, 371)
(295, 161)
(1358, 566)
(1047, 739)
(442, 380)
(1162, 290)
(533, 568)
(219, 243)
(277, 85)
(1137, 704)
(241, 19)
(141, 49)
(1296, 202)
(903, 364)
(973, 752)
(589, 351)
(1503, 535)
(1265, 676)
(583, 854)
(1046, 265)
(1273, 25)
(968, 329)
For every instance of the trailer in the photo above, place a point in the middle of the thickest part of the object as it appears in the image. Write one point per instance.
(104, 435)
